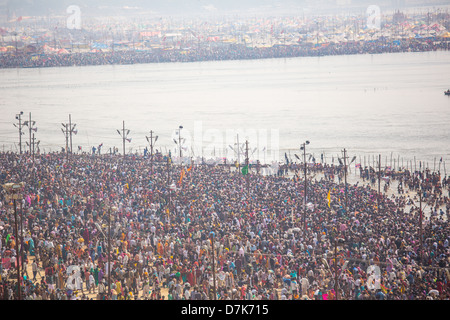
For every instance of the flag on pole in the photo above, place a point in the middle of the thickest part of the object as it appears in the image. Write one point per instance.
(245, 170)
(181, 177)
(329, 198)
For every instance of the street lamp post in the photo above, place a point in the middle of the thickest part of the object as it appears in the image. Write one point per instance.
(30, 123)
(12, 190)
(179, 142)
(303, 147)
(124, 136)
(152, 139)
(19, 126)
(71, 130)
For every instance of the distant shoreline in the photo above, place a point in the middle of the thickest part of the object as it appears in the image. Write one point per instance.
(222, 52)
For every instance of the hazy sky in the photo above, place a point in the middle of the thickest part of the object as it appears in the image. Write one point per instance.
(167, 7)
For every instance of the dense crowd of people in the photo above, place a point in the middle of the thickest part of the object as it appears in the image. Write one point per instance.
(206, 52)
(126, 228)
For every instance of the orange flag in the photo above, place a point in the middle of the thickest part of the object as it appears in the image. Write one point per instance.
(181, 177)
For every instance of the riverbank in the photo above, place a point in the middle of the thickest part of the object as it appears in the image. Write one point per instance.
(43, 59)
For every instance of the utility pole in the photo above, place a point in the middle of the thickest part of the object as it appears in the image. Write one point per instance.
(238, 152)
(168, 180)
(345, 178)
(35, 144)
(335, 264)
(420, 224)
(19, 126)
(179, 143)
(13, 191)
(303, 147)
(109, 251)
(30, 125)
(32, 146)
(379, 183)
(124, 137)
(71, 130)
(151, 148)
(18, 262)
(65, 131)
(247, 165)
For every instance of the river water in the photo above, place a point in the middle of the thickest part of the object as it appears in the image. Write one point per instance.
(388, 104)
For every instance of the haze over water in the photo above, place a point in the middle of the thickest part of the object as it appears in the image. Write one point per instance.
(368, 104)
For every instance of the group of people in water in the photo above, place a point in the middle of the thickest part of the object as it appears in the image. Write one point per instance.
(109, 227)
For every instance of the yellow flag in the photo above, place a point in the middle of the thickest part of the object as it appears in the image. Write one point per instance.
(329, 198)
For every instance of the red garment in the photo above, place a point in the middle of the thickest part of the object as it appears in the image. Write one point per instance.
(190, 278)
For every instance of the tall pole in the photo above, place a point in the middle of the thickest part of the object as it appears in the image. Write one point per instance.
(306, 185)
(150, 140)
(151, 150)
(379, 183)
(123, 138)
(65, 131)
(20, 134)
(168, 180)
(17, 251)
(67, 143)
(22, 253)
(71, 130)
(33, 146)
(70, 126)
(335, 265)
(247, 163)
(109, 251)
(420, 223)
(213, 266)
(179, 142)
(303, 147)
(30, 127)
(19, 117)
(239, 153)
(345, 178)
